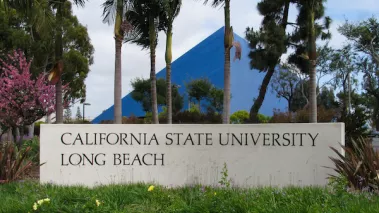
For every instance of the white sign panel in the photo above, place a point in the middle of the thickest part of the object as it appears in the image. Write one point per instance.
(174, 155)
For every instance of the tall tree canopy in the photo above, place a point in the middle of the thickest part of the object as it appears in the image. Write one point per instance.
(36, 37)
(364, 36)
(268, 44)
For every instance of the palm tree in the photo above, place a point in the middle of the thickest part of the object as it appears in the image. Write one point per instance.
(228, 44)
(144, 17)
(116, 9)
(308, 31)
(171, 9)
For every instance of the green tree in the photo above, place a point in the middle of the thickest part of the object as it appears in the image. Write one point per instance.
(171, 9)
(77, 56)
(35, 26)
(364, 36)
(228, 44)
(145, 19)
(215, 99)
(28, 29)
(56, 72)
(285, 82)
(305, 36)
(78, 114)
(343, 67)
(371, 87)
(356, 121)
(68, 115)
(268, 44)
(199, 89)
(142, 94)
(31, 9)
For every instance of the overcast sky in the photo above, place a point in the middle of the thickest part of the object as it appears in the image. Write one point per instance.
(194, 23)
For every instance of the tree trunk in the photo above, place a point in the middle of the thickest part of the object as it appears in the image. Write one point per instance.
(168, 74)
(312, 72)
(228, 45)
(9, 135)
(58, 58)
(117, 83)
(262, 93)
(14, 134)
(377, 124)
(48, 118)
(226, 107)
(118, 36)
(349, 98)
(344, 102)
(153, 79)
(31, 130)
(21, 133)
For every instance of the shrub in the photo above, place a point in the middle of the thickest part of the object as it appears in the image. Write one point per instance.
(148, 118)
(13, 163)
(263, 119)
(281, 117)
(194, 108)
(132, 120)
(33, 154)
(37, 127)
(360, 165)
(302, 116)
(239, 117)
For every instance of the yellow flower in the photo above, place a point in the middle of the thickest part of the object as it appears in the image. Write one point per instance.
(215, 193)
(98, 203)
(40, 202)
(46, 200)
(35, 206)
(151, 188)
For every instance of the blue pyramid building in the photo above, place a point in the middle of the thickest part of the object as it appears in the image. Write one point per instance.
(206, 60)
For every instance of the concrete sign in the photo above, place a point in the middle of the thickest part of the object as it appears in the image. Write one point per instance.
(172, 155)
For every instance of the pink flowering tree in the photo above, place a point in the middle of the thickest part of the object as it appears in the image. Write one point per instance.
(23, 99)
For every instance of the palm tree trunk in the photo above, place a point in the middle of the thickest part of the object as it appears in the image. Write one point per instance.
(117, 83)
(168, 74)
(118, 35)
(312, 73)
(262, 93)
(58, 58)
(152, 71)
(228, 45)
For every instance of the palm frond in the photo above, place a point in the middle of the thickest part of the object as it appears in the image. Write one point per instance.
(216, 3)
(80, 2)
(109, 11)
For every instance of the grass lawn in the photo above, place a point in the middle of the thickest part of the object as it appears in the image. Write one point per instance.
(20, 197)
